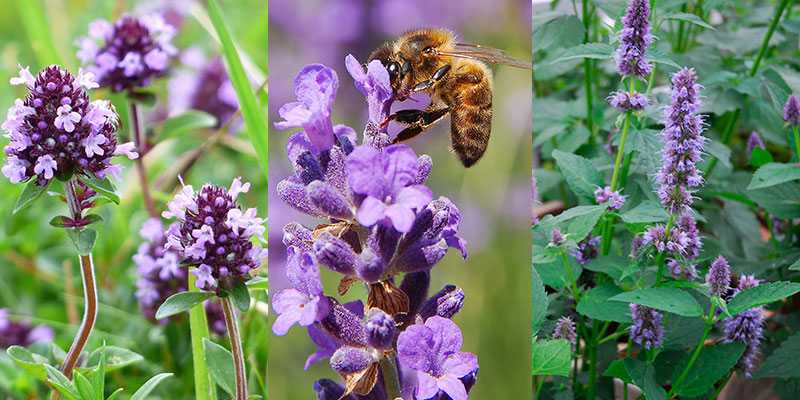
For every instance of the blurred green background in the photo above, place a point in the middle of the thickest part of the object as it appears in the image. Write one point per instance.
(39, 278)
(493, 196)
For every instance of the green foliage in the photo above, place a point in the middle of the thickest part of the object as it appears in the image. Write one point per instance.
(783, 362)
(551, 357)
(220, 364)
(185, 123)
(667, 299)
(180, 302)
(762, 294)
(711, 365)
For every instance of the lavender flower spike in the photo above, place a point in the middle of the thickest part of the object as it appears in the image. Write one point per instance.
(791, 111)
(683, 144)
(635, 36)
(646, 329)
(746, 327)
(719, 277)
(565, 329)
(434, 351)
(557, 238)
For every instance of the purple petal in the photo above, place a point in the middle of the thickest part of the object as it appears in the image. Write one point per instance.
(364, 171)
(453, 387)
(427, 386)
(461, 364)
(401, 216)
(416, 196)
(371, 211)
(400, 166)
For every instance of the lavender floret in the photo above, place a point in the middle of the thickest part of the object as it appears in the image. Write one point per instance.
(635, 36)
(646, 329)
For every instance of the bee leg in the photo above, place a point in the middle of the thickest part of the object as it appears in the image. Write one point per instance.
(437, 76)
(418, 121)
(407, 134)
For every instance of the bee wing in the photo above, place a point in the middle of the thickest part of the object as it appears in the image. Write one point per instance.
(484, 53)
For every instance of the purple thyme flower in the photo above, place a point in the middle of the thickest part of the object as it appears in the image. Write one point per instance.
(683, 144)
(131, 52)
(56, 131)
(387, 181)
(203, 86)
(14, 333)
(586, 251)
(214, 234)
(791, 111)
(315, 88)
(675, 244)
(434, 351)
(646, 329)
(602, 195)
(718, 278)
(557, 238)
(754, 141)
(565, 329)
(160, 275)
(624, 101)
(305, 303)
(635, 36)
(746, 327)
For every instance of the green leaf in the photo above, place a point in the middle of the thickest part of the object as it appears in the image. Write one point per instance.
(783, 362)
(611, 265)
(576, 222)
(690, 18)
(84, 387)
(711, 365)
(659, 57)
(617, 370)
(251, 112)
(720, 152)
(61, 221)
(60, 381)
(83, 240)
(782, 201)
(760, 157)
(31, 192)
(762, 294)
(104, 187)
(795, 266)
(240, 295)
(644, 376)
(645, 212)
(146, 98)
(681, 333)
(186, 122)
(220, 364)
(587, 50)
(580, 173)
(180, 302)
(32, 363)
(667, 299)
(148, 386)
(258, 283)
(773, 174)
(99, 375)
(540, 303)
(115, 358)
(594, 304)
(115, 394)
(552, 357)
(556, 30)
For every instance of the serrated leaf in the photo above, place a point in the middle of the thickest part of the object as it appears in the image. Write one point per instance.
(186, 122)
(783, 362)
(31, 192)
(587, 50)
(83, 240)
(32, 363)
(657, 56)
(552, 357)
(611, 265)
(580, 174)
(540, 303)
(711, 365)
(220, 364)
(576, 222)
(690, 18)
(760, 295)
(667, 299)
(773, 174)
(645, 212)
(103, 187)
(644, 376)
(180, 302)
(594, 304)
(148, 386)
(617, 370)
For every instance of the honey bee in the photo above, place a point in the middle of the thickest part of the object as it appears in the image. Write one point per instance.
(454, 76)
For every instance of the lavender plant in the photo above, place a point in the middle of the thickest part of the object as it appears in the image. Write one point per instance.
(380, 221)
(658, 304)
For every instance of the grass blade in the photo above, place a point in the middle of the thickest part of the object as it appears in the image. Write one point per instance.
(198, 326)
(37, 29)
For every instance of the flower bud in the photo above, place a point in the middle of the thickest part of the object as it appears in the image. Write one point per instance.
(380, 329)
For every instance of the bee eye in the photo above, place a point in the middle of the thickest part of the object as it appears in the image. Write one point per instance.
(393, 67)
(428, 50)
(406, 67)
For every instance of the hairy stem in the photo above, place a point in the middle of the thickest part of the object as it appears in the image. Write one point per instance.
(390, 378)
(663, 255)
(232, 324)
(139, 141)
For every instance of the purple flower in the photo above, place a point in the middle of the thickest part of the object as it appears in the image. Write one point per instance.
(602, 195)
(380, 329)
(446, 303)
(754, 141)
(374, 84)
(624, 101)
(13, 333)
(586, 251)
(683, 144)
(791, 111)
(675, 244)
(686, 270)
(718, 278)
(746, 327)
(557, 238)
(565, 329)
(315, 88)
(434, 351)
(386, 181)
(646, 329)
(305, 303)
(56, 131)
(635, 36)
(130, 53)
(203, 86)
(214, 234)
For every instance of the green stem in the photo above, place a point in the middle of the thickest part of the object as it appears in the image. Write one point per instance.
(198, 328)
(593, 362)
(620, 151)
(587, 68)
(390, 378)
(722, 385)
(574, 287)
(140, 142)
(663, 255)
(709, 322)
(771, 231)
(611, 337)
(796, 142)
(539, 387)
